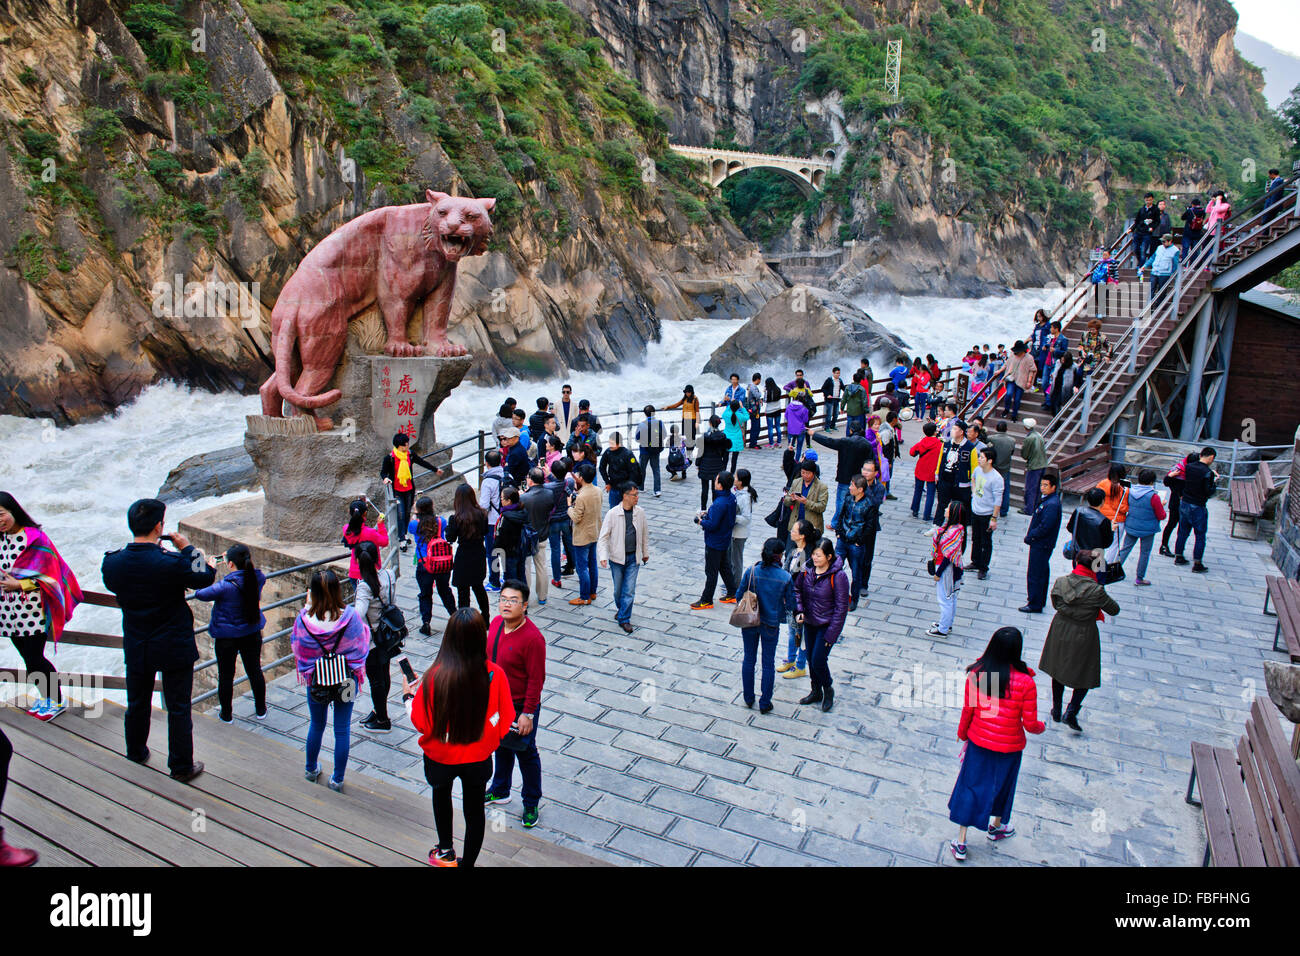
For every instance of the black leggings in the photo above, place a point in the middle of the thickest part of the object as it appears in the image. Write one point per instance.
(6, 751)
(1076, 698)
(474, 779)
(462, 597)
(706, 485)
(32, 649)
(1175, 499)
(735, 457)
(249, 649)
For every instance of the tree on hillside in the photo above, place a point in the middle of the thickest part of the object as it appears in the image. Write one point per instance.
(1290, 113)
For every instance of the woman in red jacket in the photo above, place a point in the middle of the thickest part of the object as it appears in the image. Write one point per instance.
(462, 709)
(1001, 707)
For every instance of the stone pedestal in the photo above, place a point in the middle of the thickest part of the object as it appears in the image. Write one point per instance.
(309, 478)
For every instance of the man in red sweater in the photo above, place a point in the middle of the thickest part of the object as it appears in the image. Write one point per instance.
(517, 646)
(926, 452)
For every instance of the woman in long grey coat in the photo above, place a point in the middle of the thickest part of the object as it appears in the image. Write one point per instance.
(1072, 652)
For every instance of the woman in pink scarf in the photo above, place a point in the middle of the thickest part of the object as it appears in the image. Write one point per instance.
(874, 437)
(38, 593)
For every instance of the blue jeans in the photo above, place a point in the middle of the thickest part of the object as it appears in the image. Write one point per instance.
(819, 653)
(1033, 491)
(561, 534)
(946, 592)
(342, 734)
(797, 441)
(919, 402)
(917, 488)
(584, 560)
(1191, 518)
(1144, 552)
(841, 492)
(832, 413)
(1011, 403)
(615, 497)
(794, 646)
(624, 576)
(852, 555)
(752, 636)
(530, 766)
(773, 429)
(1041, 359)
(1006, 494)
(649, 459)
(855, 421)
(755, 428)
(489, 539)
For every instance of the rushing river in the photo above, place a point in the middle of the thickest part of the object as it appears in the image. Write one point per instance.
(78, 481)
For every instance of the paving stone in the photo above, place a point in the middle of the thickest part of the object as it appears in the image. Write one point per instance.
(651, 849)
(726, 843)
(689, 805)
(649, 747)
(638, 815)
(677, 777)
(602, 754)
(610, 781)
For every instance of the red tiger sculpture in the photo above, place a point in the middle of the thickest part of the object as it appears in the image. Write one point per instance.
(396, 257)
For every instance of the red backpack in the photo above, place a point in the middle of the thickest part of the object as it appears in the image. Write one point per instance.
(437, 552)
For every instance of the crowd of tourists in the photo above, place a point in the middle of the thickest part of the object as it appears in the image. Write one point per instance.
(560, 496)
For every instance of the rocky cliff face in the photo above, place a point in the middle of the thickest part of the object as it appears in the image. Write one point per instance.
(730, 69)
(113, 187)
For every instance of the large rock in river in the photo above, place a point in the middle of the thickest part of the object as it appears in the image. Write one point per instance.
(221, 472)
(809, 326)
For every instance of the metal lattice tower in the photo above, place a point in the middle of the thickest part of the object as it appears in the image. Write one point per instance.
(893, 63)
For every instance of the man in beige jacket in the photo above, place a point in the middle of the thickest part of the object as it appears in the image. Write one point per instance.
(584, 512)
(1020, 373)
(623, 539)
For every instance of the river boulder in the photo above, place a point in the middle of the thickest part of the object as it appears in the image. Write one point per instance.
(811, 327)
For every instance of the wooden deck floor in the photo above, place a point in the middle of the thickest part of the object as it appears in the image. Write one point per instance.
(77, 800)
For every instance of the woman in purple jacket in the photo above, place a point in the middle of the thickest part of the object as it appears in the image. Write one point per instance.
(821, 600)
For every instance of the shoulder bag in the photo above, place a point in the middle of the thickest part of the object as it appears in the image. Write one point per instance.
(745, 613)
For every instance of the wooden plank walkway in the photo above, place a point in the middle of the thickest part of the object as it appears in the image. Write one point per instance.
(77, 800)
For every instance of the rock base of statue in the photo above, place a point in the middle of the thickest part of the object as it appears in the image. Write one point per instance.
(309, 477)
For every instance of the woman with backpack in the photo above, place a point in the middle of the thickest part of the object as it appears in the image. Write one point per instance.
(329, 642)
(677, 460)
(734, 420)
(689, 403)
(774, 588)
(772, 396)
(745, 498)
(798, 555)
(821, 600)
(462, 709)
(355, 531)
(377, 593)
(1115, 507)
(1145, 512)
(433, 561)
(236, 628)
(1001, 706)
(467, 528)
(946, 566)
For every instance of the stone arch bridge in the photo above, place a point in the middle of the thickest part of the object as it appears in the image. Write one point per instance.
(808, 173)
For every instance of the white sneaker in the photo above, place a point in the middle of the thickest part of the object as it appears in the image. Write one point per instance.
(935, 632)
(929, 531)
(656, 494)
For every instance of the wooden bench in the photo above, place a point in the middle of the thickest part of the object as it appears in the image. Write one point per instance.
(1250, 798)
(1081, 472)
(1248, 496)
(1285, 595)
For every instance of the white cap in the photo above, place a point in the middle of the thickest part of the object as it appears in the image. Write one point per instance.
(1030, 422)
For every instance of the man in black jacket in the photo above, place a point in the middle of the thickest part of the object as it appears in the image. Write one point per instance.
(157, 632)
(1193, 513)
(850, 453)
(715, 447)
(516, 459)
(1044, 526)
(1090, 529)
(617, 466)
(1145, 221)
(537, 428)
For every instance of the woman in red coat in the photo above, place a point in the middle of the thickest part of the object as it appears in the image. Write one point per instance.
(1001, 707)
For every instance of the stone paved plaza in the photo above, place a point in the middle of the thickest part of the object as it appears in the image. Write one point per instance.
(650, 756)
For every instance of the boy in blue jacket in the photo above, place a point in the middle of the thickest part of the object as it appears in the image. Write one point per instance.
(718, 523)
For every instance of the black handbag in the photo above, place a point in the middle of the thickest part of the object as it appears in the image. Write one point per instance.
(513, 740)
